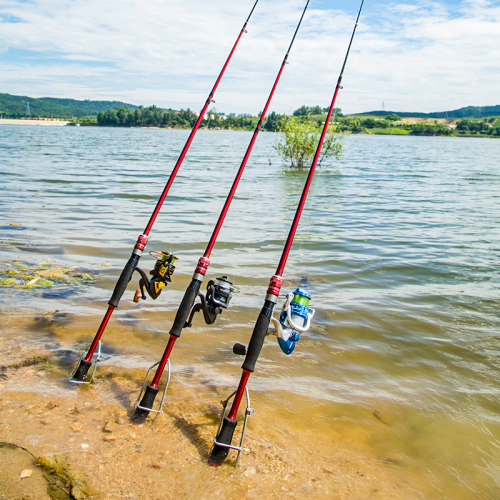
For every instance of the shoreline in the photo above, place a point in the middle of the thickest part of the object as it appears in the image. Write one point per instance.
(88, 430)
(54, 122)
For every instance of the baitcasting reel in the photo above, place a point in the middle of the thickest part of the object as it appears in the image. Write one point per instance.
(295, 318)
(161, 276)
(217, 297)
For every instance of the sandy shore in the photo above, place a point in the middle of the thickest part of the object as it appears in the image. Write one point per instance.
(44, 121)
(88, 430)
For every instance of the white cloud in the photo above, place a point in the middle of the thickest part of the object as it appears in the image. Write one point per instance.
(422, 56)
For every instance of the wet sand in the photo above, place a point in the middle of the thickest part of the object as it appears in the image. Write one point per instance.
(89, 429)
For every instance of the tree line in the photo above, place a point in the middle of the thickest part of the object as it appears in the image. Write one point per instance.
(393, 124)
(153, 116)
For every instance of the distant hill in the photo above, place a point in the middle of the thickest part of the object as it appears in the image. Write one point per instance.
(467, 112)
(16, 106)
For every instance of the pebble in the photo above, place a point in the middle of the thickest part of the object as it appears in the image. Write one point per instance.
(51, 405)
(108, 427)
(76, 426)
(251, 471)
(109, 438)
(25, 473)
(84, 446)
(156, 465)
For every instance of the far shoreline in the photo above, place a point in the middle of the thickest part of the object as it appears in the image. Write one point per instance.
(54, 122)
(58, 122)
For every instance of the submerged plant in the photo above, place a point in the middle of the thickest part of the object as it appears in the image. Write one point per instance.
(298, 141)
(25, 275)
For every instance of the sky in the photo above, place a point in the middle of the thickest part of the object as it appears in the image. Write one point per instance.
(421, 56)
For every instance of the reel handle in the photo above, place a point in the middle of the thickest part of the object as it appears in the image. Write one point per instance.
(239, 349)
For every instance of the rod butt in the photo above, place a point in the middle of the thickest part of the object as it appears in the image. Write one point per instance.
(82, 370)
(147, 401)
(225, 436)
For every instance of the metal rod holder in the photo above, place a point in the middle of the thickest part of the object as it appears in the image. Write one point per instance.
(248, 413)
(144, 385)
(96, 362)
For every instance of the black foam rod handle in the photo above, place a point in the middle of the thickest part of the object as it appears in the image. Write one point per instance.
(258, 335)
(123, 280)
(185, 308)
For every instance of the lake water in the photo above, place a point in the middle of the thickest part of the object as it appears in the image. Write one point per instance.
(399, 246)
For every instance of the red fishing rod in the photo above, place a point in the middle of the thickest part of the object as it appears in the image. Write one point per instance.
(164, 268)
(219, 292)
(295, 307)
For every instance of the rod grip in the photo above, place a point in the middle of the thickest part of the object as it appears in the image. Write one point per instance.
(185, 307)
(123, 280)
(225, 436)
(258, 335)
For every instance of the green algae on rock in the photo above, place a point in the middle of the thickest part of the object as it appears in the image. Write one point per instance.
(26, 275)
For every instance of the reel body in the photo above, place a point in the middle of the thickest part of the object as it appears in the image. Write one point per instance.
(218, 295)
(295, 318)
(160, 276)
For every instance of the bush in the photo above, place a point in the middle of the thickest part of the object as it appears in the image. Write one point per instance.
(299, 140)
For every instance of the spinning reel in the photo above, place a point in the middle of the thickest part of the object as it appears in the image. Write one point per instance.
(161, 276)
(295, 318)
(219, 293)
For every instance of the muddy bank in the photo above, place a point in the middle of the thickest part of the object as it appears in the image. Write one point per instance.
(88, 430)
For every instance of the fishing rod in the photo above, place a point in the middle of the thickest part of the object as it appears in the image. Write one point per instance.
(294, 319)
(164, 267)
(219, 292)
